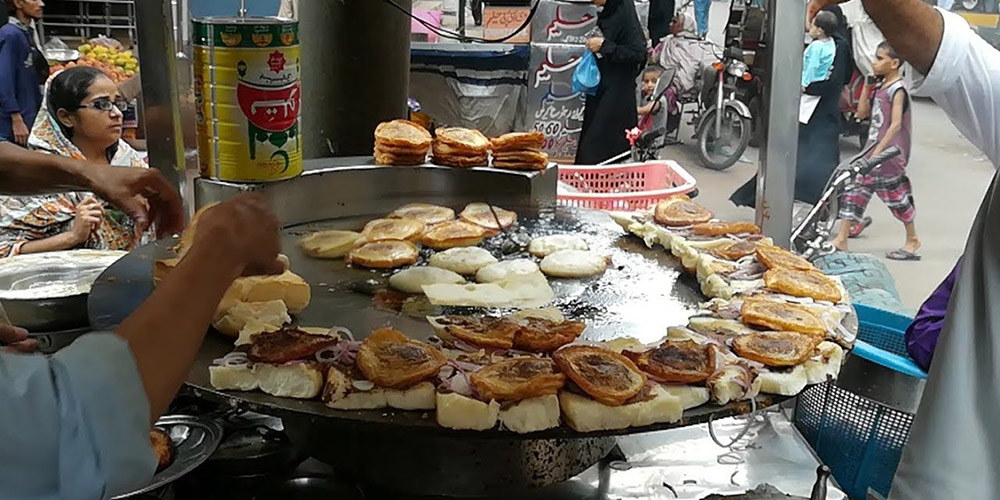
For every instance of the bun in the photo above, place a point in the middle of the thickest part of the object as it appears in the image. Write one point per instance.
(298, 381)
(412, 280)
(272, 315)
(783, 383)
(287, 287)
(453, 234)
(385, 254)
(340, 394)
(545, 245)
(532, 415)
(779, 315)
(462, 260)
(777, 349)
(725, 228)
(587, 415)
(455, 411)
(330, 244)
(574, 264)
(680, 211)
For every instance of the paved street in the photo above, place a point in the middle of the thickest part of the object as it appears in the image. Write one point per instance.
(949, 179)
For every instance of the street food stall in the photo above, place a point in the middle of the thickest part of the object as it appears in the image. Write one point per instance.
(444, 327)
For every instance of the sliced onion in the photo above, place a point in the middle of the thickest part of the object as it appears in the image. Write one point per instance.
(329, 353)
(465, 346)
(342, 332)
(446, 372)
(520, 354)
(293, 362)
(235, 358)
(464, 366)
(363, 385)
(835, 326)
(460, 385)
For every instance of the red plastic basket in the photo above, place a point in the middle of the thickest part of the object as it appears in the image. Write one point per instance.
(631, 186)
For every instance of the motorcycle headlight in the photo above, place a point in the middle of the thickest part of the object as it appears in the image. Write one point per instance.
(738, 69)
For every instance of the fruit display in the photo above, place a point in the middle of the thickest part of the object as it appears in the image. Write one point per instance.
(119, 65)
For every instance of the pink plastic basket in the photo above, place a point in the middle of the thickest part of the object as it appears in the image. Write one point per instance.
(631, 186)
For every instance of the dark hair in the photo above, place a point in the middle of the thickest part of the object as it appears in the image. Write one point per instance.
(652, 68)
(826, 21)
(68, 89)
(891, 51)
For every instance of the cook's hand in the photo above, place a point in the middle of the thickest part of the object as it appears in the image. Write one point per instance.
(247, 229)
(143, 194)
(595, 44)
(14, 339)
(20, 130)
(89, 216)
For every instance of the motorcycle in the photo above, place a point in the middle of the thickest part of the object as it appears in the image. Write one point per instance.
(813, 234)
(723, 120)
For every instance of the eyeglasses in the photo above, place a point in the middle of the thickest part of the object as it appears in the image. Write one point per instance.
(107, 105)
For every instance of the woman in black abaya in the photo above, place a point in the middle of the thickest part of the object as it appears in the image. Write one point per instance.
(819, 140)
(621, 53)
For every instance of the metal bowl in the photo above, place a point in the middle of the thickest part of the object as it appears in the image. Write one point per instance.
(47, 292)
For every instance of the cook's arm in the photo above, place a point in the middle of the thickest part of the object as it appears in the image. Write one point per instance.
(168, 328)
(76, 425)
(28, 172)
(962, 70)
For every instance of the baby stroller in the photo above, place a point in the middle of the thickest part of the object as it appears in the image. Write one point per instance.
(647, 140)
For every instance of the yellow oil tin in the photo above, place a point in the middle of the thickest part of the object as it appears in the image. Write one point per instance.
(247, 94)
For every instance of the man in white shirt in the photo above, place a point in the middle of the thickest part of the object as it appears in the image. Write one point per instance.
(865, 35)
(953, 446)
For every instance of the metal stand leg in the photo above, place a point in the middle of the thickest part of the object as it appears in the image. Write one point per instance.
(776, 179)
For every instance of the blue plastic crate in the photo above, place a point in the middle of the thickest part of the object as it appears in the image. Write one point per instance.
(859, 439)
(881, 339)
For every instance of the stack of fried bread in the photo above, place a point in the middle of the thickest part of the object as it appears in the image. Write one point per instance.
(460, 147)
(401, 143)
(519, 151)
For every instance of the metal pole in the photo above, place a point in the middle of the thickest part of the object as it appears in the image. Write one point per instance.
(776, 181)
(355, 73)
(160, 88)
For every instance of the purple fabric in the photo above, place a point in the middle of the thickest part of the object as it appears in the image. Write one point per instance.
(922, 335)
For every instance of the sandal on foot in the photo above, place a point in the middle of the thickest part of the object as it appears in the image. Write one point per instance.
(858, 227)
(900, 254)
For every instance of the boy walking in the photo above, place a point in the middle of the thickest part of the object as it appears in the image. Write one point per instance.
(889, 108)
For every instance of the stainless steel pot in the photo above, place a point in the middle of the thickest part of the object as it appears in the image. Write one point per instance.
(48, 292)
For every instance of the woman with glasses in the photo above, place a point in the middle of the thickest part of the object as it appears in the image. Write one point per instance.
(81, 119)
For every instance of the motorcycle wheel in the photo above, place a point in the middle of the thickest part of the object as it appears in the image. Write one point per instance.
(736, 137)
